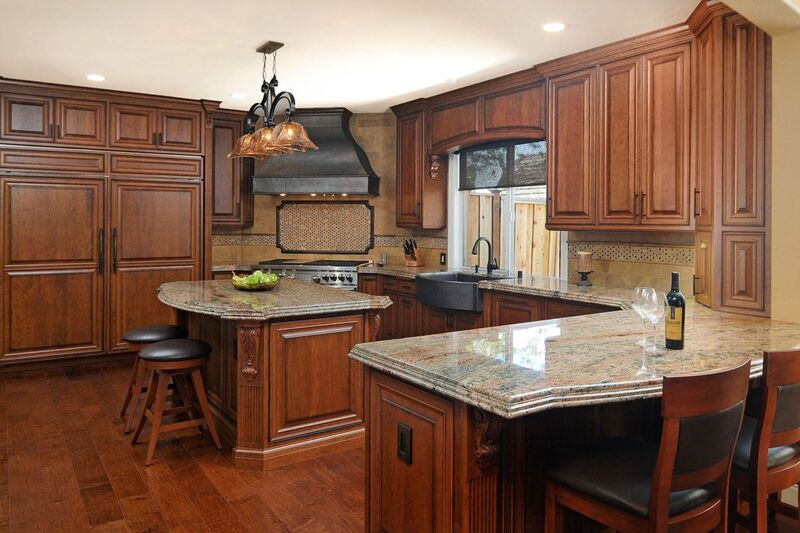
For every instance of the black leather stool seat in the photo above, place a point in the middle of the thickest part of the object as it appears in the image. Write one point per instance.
(176, 350)
(775, 456)
(155, 333)
(618, 472)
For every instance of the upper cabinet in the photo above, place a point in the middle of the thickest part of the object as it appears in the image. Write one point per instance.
(148, 128)
(619, 143)
(233, 178)
(27, 118)
(410, 156)
(570, 173)
(37, 119)
(80, 122)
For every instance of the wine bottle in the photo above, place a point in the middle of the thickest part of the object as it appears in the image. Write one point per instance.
(676, 318)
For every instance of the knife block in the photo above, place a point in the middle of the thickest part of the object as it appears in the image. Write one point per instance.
(411, 262)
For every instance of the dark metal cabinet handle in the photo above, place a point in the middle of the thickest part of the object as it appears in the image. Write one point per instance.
(641, 210)
(697, 202)
(404, 436)
(548, 202)
(51, 129)
(155, 139)
(635, 204)
(694, 285)
(114, 248)
(58, 131)
(160, 139)
(101, 239)
(417, 209)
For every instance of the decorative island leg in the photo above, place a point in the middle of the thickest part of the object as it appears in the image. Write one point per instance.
(373, 327)
(251, 409)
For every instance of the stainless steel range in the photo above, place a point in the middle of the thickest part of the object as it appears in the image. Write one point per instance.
(340, 274)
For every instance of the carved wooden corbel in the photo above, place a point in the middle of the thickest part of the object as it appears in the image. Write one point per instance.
(486, 433)
(435, 166)
(248, 351)
(373, 326)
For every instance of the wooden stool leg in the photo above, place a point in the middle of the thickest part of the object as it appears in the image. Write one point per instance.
(151, 394)
(733, 507)
(188, 398)
(200, 392)
(553, 513)
(157, 413)
(136, 396)
(129, 392)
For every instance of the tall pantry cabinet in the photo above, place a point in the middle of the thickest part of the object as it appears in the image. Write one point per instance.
(102, 197)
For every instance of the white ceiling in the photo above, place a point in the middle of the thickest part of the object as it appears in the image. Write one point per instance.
(365, 55)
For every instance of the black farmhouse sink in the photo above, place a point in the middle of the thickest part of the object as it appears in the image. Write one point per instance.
(451, 290)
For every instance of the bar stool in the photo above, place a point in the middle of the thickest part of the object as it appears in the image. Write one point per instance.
(767, 457)
(179, 360)
(142, 336)
(681, 485)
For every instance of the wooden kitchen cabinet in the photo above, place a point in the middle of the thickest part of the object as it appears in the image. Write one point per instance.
(150, 128)
(53, 267)
(40, 119)
(410, 458)
(369, 284)
(512, 309)
(410, 155)
(571, 149)
(26, 118)
(80, 122)
(554, 308)
(144, 254)
(434, 320)
(179, 131)
(233, 178)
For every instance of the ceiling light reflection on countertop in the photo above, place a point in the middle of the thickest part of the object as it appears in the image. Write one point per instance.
(553, 27)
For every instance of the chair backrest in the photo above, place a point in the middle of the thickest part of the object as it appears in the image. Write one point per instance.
(779, 419)
(702, 418)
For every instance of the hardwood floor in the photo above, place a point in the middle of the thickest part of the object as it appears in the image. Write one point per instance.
(66, 465)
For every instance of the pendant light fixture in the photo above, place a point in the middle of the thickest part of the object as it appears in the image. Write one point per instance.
(271, 139)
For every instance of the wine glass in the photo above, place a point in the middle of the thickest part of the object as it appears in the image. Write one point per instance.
(654, 311)
(641, 295)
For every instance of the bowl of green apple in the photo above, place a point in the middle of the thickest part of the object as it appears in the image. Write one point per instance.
(257, 281)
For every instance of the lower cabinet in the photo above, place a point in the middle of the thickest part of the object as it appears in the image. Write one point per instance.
(435, 320)
(511, 309)
(564, 308)
(410, 459)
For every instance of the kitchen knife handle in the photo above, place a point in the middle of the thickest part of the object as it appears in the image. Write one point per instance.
(101, 240)
(114, 248)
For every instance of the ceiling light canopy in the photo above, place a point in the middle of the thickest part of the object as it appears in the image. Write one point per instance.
(553, 27)
(95, 77)
(272, 139)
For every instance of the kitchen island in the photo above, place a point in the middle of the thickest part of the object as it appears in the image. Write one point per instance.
(279, 379)
(461, 425)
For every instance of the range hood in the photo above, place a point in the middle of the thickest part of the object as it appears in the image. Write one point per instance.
(340, 166)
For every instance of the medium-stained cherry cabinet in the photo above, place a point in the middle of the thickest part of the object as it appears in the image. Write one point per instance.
(155, 235)
(410, 437)
(80, 122)
(571, 149)
(26, 118)
(179, 131)
(233, 197)
(410, 154)
(53, 266)
(133, 126)
(434, 320)
(507, 309)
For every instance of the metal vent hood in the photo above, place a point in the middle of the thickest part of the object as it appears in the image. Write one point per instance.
(339, 166)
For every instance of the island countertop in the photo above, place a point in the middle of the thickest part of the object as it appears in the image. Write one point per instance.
(291, 298)
(522, 369)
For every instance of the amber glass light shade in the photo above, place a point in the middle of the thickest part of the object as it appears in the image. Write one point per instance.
(244, 145)
(293, 135)
(259, 145)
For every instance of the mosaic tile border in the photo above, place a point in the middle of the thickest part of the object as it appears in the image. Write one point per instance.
(636, 253)
(269, 239)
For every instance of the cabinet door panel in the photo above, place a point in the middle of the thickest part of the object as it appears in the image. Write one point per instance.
(453, 122)
(179, 130)
(314, 385)
(617, 147)
(570, 176)
(466, 320)
(133, 126)
(232, 197)
(407, 311)
(563, 308)
(703, 268)
(515, 309)
(413, 494)
(666, 137)
(520, 109)
(708, 78)
(743, 281)
(81, 122)
(409, 170)
(433, 320)
(27, 118)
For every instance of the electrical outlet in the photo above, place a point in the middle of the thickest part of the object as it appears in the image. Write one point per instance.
(443, 259)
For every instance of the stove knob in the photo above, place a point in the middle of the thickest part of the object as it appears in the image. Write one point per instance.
(325, 277)
(341, 277)
(349, 278)
(316, 279)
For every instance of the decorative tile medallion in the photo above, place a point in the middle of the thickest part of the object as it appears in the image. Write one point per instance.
(341, 227)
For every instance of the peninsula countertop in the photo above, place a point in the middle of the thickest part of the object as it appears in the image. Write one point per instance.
(522, 369)
(291, 298)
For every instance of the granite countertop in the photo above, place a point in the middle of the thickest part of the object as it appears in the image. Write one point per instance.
(291, 298)
(559, 288)
(400, 271)
(521, 369)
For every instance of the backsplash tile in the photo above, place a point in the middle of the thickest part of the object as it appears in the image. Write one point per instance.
(325, 227)
(636, 253)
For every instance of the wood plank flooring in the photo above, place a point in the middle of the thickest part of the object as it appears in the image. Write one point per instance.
(66, 465)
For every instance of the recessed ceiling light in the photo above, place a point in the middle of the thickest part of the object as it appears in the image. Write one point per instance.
(313, 194)
(95, 77)
(239, 95)
(344, 194)
(552, 27)
(283, 194)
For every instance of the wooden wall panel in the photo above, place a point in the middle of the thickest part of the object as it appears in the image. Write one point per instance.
(453, 122)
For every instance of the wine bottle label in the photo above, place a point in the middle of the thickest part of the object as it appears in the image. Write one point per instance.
(673, 322)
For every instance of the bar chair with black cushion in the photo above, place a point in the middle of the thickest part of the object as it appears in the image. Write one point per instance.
(767, 457)
(681, 485)
(139, 337)
(181, 361)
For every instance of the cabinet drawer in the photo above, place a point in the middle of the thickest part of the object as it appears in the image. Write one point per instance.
(152, 165)
(405, 286)
(57, 161)
(389, 283)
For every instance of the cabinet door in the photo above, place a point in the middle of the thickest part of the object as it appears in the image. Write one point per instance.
(314, 386)
(27, 118)
(81, 122)
(465, 320)
(133, 127)
(179, 130)
(230, 194)
(391, 319)
(155, 238)
(708, 80)
(52, 286)
(620, 89)
(703, 268)
(409, 170)
(743, 276)
(369, 284)
(407, 311)
(508, 309)
(452, 122)
(666, 134)
(433, 320)
(410, 469)
(570, 176)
